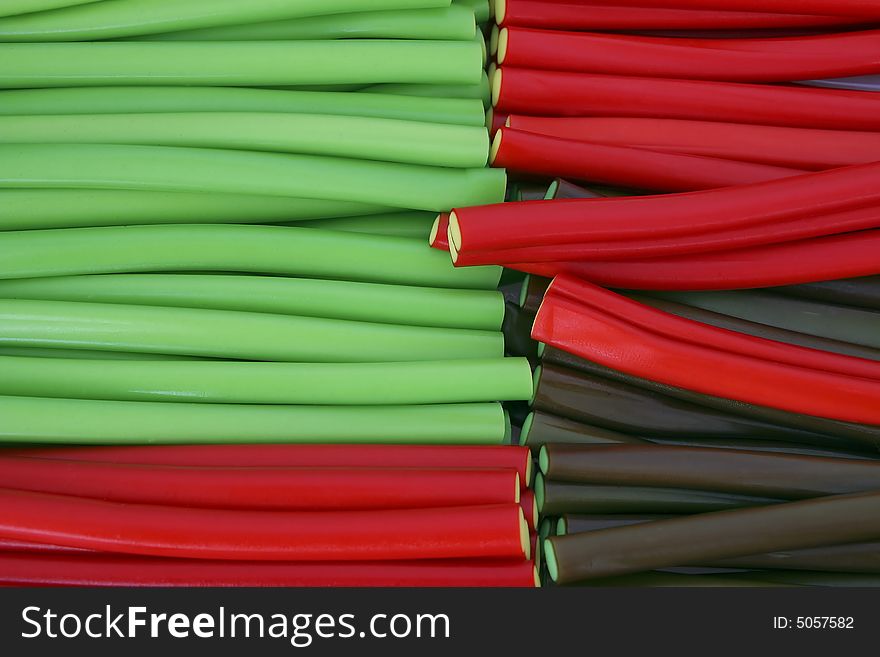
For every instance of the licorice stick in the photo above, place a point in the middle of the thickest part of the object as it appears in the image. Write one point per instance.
(856, 557)
(429, 382)
(595, 16)
(858, 292)
(528, 91)
(564, 322)
(707, 537)
(369, 302)
(497, 530)
(277, 250)
(803, 261)
(439, 231)
(781, 232)
(807, 429)
(826, 319)
(76, 421)
(291, 489)
(505, 226)
(517, 328)
(562, 189)
(119, 570)
(120, 100)
(343, 136)
(28, 209)
(415, 224)
(170, 169)
(698, 333)
(530, 508)
(734, 60)
(532, 293)
(573, 523)
(857, 83)
(232, 334)
(451, 23)
(556, 497)
(135, 17)
(853, 558)
(758, 329)
(238, 64)
(657, 579)
(855, 8)
(775, 145)
(627, 409)
(542, 428)
(321, 456)
(742, 472)
(535, 154)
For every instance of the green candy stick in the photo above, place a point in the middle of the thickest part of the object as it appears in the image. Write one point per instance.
(239, 63)
(162, 168)
(453, 23)
(15, 7)
(365, 302)
(106, 20)
(231, 334)
(26, 209)
(121, 100)
(41, 420)
(413, 224)
(277, 250)
(390, 140)
(347, 384)
(479, 91)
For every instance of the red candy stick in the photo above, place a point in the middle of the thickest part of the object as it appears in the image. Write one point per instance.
(340, 456)
(787, 147)
(485, 531)
(557, 93)
(113, 570)
(588, 16)
(303, 489)
(613, 341)
(733, 60)
(525, 152)
(822, 259)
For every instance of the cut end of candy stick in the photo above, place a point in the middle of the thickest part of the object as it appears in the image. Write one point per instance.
(541, 349)
(526, 427)
(524, 290)
(551, 190)
(536, 381)
(508, 427)
(561, 527)
(503, 38)
(453, 234)
(539, 491)
(517, 494)
(550, 558)
(500, 9)
(496, 145)
(535, 516)
(435, 228)
(536, 576)
(496, 86)
(544, 459)
(524, 536)
(493, 40)
(528, 472)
